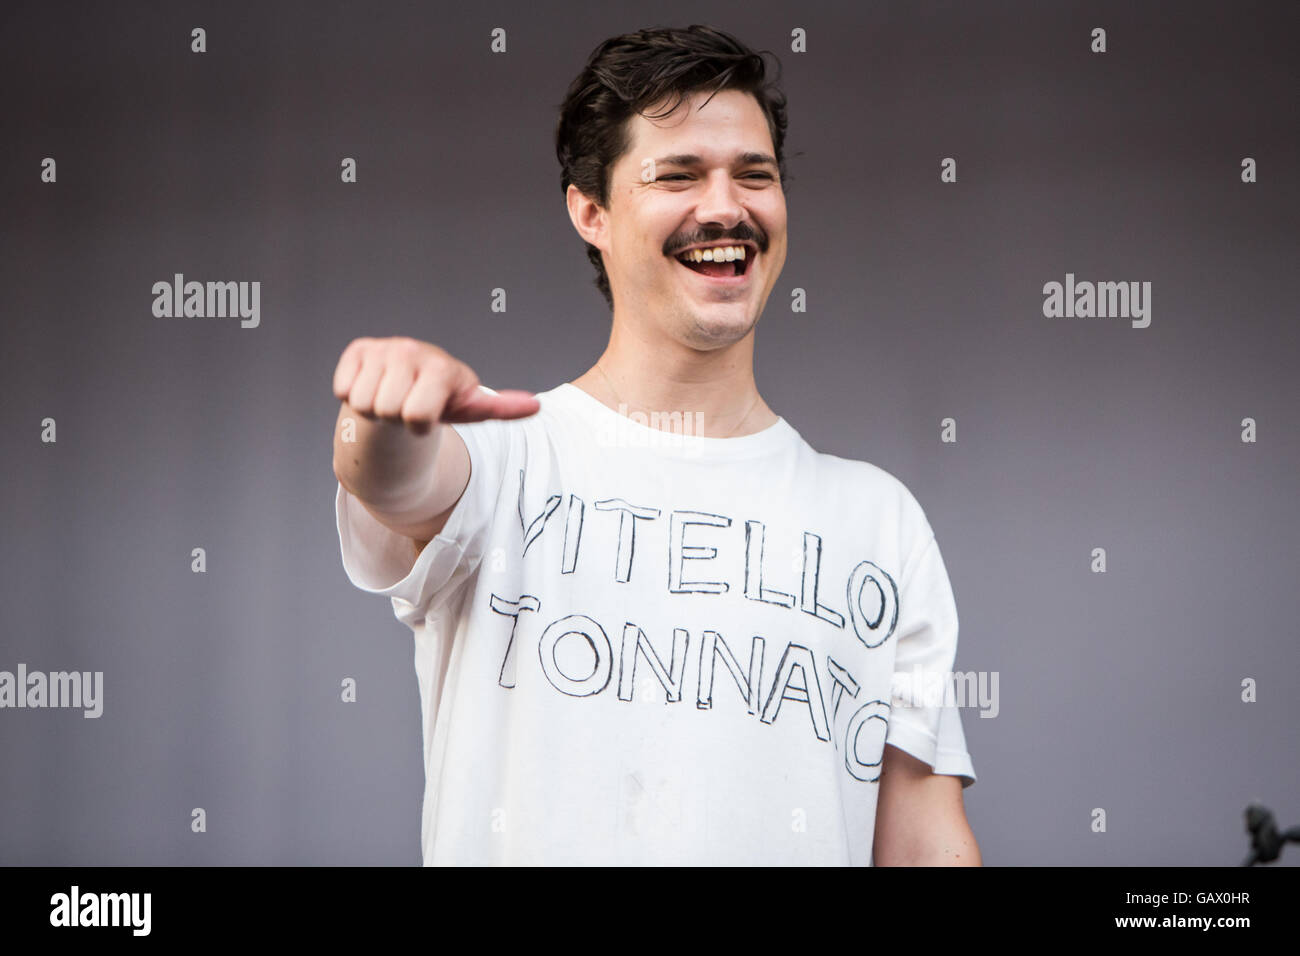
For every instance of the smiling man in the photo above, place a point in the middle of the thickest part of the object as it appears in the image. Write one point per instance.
(652, 624)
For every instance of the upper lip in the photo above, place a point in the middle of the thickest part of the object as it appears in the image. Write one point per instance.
(748, 244)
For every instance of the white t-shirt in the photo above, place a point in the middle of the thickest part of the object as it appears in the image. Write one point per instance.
(643, 647)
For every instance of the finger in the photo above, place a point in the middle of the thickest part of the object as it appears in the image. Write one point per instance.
(427, 398)
(394, 385)
(345, 372)
(461, 396)
(507, 404)
(362, 395)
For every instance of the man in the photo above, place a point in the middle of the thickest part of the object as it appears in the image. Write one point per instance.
(653, 625)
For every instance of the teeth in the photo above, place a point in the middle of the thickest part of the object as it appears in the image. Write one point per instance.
(715, 254)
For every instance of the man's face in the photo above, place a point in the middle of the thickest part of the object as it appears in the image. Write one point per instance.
(700, 176)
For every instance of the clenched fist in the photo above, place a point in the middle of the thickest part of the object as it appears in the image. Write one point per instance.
(405, 380)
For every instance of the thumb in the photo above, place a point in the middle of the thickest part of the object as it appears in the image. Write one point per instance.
(477, 403)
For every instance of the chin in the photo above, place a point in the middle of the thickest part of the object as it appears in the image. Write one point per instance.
(720, 327)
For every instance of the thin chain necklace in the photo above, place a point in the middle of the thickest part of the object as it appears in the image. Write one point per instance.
(752, 405)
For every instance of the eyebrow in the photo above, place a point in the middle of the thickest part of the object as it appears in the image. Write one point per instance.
(691, 159)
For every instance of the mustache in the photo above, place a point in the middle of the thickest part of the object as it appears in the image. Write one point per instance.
(738, 235)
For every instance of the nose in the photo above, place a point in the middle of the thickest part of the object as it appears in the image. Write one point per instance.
(719, 202)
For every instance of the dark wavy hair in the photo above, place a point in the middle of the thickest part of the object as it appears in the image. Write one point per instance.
(626, 75)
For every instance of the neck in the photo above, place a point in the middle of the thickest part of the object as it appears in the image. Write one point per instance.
(669, 377)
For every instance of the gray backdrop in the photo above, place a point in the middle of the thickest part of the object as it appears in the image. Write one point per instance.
(1119, 691)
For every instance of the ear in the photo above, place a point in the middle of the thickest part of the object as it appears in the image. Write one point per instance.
(587, 217)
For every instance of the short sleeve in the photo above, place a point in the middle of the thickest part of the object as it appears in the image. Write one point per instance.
(951, 757)
(378, 560)
(923, 720)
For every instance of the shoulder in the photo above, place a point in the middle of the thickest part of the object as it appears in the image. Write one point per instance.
(877, 506)
(873, 487)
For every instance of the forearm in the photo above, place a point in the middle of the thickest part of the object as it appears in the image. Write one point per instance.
(945, 839)
(385, 464)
